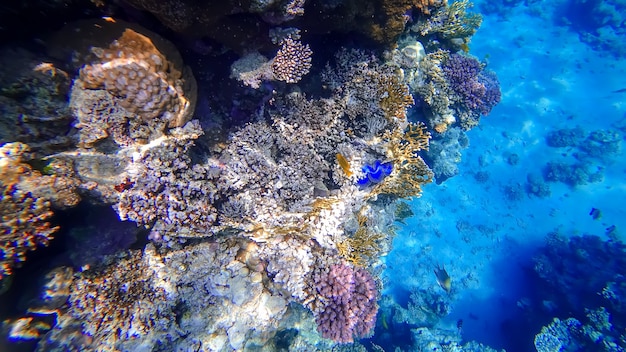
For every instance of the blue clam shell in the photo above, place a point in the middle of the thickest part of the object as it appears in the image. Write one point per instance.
(375, 173)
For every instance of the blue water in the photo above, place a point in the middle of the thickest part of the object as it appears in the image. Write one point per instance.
(550, 80)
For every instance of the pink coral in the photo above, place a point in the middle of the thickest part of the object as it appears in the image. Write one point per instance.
(346, 303)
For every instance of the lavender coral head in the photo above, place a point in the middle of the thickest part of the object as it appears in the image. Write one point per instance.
(479, 90)
(348, 303)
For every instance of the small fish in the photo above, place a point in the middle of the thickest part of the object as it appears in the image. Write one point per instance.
(443, 279)
(623, 90)
(345, 165)
(611, 230)
(383, 319)
(595, 213)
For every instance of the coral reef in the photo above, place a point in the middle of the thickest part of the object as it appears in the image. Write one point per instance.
(571, 334)
(585, 158)
(292, 61)
(451, 26)
(565, 266)
(266, 213)
(476, 89)
(24, 226)
(444, 153)
(536, 186)
(601, 26)
(168, 193)
(582, 277)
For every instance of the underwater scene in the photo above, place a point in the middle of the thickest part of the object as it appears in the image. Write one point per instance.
(312, 175)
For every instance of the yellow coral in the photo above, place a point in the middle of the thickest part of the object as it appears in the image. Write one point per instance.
(395, 97)
(452, 21)
(410, 170)
(364, 244)
(395, 17)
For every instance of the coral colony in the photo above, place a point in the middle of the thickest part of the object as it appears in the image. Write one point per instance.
(267, 206)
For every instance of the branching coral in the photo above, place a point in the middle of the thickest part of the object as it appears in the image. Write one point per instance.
(410, 170)
(395, 97)
(476, 89)
(451, 22)
(25, 204)
(395, 14)
(140, 307)
(24, 226)
(364, 245)
(292, 61)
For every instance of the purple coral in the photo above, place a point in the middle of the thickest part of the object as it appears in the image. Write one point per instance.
(478, 89)
(348, 303)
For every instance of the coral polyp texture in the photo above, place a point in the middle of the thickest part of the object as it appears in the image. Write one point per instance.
(142, 80)
(345, 307)
(291, 63)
